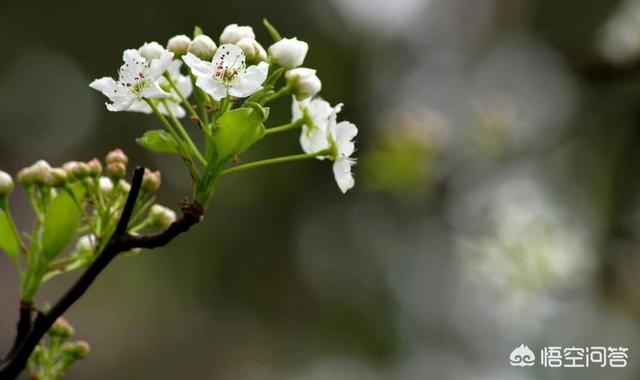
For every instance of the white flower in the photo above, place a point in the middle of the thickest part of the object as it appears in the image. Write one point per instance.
(304, 82)
(323, 132)
(313, 137)
(105, 184)
(289, 53)
(151, 50)
(138, 80)
(6, 184)
(179, 45)
(342, 135)
(227, 73)
(161, 216)
(252, 49)
(234, 33)
(203, 47)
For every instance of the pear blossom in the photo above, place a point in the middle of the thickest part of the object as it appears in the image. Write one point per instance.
(138, 80)
(151, 50)
(179, 45)
(203, 47)
(321, 114)
(162, 216)
(233, 33)
(105, 184)
(252, 49)
(6, 184)
(227, 73)
(304, 82)
(321, 131)
(341, 136)
(289, 52)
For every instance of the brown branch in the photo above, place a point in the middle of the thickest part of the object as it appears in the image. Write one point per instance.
(121, 241)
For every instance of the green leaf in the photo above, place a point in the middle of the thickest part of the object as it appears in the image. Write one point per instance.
(158, 141)
(272, 30)
(61, 222)
(8, 241)
(239, 130)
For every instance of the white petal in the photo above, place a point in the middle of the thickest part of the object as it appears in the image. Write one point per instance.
(122, 104)
(140, 106)
(250, 81)
(342, 173)
(160, 65)
(174, 107)
(314, 140)
(154, 91)
(229, 57)
(296, 108)
(212, 87)
(199, 68)
(134, 63)
(106, 85)
(344, 134)
(174, 69)
(184, 85)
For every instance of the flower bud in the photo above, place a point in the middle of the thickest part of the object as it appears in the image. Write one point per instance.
(304, 82)
(105, 184)
(75, 350)
(161, 216)
(6, 184)
(56, 177)
(252, 49)
(179, 45)
(151, 181)
(95, 167)
(116, 170)
(61, 329)
(124, 187)
(151, 50)
(26, 177)
(39, 172)
(86, 244)
(203, 47)
(234, 33)
(289, 52)
(117, 156)
(76, 170)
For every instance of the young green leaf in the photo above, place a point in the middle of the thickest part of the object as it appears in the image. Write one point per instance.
(8, 241)
(158, 141)
(61, 223)
(239, 130)
(197, 31)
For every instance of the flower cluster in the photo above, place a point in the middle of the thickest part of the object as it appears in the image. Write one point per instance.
(56, 353)
(231, 83)
(79, 201)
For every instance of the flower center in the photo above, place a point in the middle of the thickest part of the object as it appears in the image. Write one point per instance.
(225, 74)
(135, 81)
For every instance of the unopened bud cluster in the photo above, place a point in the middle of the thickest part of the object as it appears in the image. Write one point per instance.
(56, 353)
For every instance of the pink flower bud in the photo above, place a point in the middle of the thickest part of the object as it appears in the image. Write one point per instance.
(116, 170)
(117, 156)
(95, 167)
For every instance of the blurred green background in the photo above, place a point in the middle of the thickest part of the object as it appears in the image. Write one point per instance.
(496, 198)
